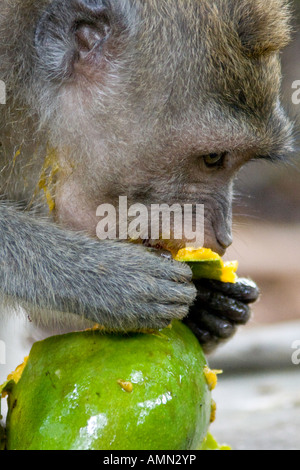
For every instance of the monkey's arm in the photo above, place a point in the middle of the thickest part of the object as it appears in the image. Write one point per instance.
(219, 309)
(119, 285)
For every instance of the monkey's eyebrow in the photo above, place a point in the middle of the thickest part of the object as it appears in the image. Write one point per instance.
(272, 157)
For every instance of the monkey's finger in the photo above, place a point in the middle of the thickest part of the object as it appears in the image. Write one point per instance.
(173, 270)
(203, 335)
(147, 261)
(156, 316)
(162, 291)
(146, 315)
(220, 304)
(244, 290)
(168, 292)
(208, 341)
(162, 266)
(216, 326)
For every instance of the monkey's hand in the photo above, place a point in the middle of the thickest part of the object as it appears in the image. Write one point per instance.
(130, 287)
(219, 309)
(52, 273)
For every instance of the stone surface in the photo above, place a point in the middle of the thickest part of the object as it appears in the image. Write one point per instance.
(258, 396)
(259, 411)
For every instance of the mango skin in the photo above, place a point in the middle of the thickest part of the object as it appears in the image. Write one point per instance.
(2, 438)
(70, 398)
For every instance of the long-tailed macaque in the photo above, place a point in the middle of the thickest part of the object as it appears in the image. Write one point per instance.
(160, 101)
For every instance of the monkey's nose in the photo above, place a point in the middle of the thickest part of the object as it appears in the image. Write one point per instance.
(219, 244)
(225, 240)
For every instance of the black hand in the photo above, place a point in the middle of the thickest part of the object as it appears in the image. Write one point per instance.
(219, 308)
(244, 290)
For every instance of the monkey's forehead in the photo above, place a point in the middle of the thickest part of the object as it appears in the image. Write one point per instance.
(254, 26)
(225, 47)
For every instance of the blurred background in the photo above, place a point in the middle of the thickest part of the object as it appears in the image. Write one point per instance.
(258, 396)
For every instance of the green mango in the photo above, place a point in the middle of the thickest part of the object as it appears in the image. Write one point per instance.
(93, 391)
(205, 264)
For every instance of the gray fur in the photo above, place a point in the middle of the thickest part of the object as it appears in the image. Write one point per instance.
(120, 286)
(172, 81)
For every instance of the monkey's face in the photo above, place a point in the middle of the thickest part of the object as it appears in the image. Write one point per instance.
(159, 101)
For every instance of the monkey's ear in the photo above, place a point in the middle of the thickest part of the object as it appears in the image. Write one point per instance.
(72, 32)
(264, 26)
(92, 31)
(92, 26)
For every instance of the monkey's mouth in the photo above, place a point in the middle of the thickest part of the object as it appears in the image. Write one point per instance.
(171, 246)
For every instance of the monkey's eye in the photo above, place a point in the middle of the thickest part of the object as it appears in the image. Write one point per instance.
(214, 159)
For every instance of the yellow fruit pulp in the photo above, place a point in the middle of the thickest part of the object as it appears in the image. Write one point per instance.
(227, 270)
